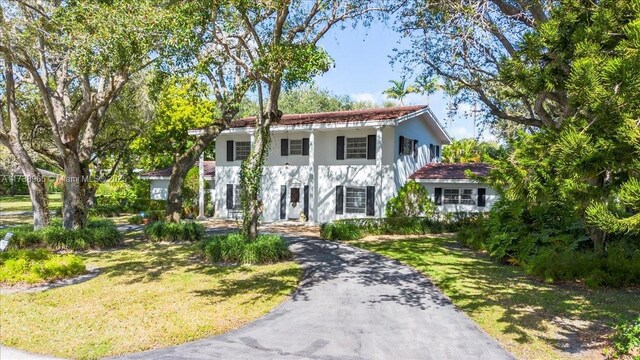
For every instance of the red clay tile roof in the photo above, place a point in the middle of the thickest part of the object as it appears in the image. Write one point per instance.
(450, 171)
(209, 170)
(346, 116)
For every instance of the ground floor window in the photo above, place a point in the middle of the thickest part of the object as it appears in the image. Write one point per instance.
(458, 197)
(237, 197)
(356, 200)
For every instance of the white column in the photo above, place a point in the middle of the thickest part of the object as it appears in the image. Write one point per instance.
(201, 188)
(313, 176)
(379, 186)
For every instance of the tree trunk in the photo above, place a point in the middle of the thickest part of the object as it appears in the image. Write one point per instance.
(599, 239)
(251, 181)
(35, 182)
(174, 199)
(76, 182)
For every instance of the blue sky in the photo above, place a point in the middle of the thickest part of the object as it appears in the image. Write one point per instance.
(363, 70)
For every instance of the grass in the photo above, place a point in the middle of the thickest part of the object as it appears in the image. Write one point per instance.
(531, 319)
(23, 202)
(37, 265)
(147, 296)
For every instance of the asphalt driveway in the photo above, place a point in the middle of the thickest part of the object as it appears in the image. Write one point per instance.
(351, 304)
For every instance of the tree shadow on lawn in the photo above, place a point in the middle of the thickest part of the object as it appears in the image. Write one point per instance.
(477, 285)
(147, 262)
(263, 286)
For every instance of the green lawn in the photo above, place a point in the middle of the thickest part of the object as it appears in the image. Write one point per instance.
(23, 202)
(531, 319)
(147, 296)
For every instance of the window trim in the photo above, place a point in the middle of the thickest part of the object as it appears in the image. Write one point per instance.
(459, 193)
(364, 204)
(346, 147)
(235, 150)
(301, 147)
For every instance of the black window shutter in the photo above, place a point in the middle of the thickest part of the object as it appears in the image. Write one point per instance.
(432, 151)
(339, 199)
(401, 145)
(283, 201)
(437, 151)
(305, 208)
(482, 197)
(229, 150)
(438, 196)
(284, 147)
(305, 146)
(371, 200)
(229, 196)
(415, 150)
(371, 147)
(340, 148)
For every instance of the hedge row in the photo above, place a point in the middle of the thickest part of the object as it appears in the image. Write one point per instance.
(99, 234)
(353, 229)
(233, 248)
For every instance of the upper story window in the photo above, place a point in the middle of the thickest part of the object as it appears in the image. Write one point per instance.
(408, 147)
(295, 147)
(356, 148)
(242, 149)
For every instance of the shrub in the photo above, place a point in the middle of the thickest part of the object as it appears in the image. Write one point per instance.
(412, 200)
(233, 248)
(626, 337)
(353, 229)
(99, 233)
(135, 220)
(183, 231)
(341, 230)
(37, 265)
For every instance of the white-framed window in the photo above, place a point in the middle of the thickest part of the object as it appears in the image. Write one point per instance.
(458, 197)
(242, 150)
(295, 147)
(356, 148)
(466, 197)
(451, 196)
(407, 147)
(355, 200)
(237, 197)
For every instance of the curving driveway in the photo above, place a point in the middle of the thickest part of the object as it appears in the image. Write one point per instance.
(351, 304)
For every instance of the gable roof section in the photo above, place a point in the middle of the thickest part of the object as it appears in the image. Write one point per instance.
(440, 171)
(209, 172)
(334, 117)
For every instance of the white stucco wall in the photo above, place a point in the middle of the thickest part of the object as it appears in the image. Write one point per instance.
(405, 165)
(387, 173)
(159, 189)
(490, 198)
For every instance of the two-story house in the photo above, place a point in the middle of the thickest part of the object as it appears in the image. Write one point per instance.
(333, 165)
(336, 165)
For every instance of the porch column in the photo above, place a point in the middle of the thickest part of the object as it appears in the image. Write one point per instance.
(379, 171)
(313, 206)
(201, 188)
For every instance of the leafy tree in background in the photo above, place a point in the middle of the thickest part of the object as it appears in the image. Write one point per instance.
(78, 56)
(399, 90)
(469, 151)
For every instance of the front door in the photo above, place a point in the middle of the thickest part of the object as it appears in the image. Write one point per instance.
(295, 206)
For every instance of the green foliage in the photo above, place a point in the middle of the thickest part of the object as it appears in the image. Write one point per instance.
(400, 90)
(182, 231)
(135, 220)
(341, 230)
(233, 248)
(353, 229)
(469, 151)
(412, 200)
(182, 104)
(37, 265)
(626, 337)
(621, 218)
(99, 234)
(190, 193)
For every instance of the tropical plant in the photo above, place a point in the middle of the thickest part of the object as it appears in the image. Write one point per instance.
(412, 200)
(399, 90)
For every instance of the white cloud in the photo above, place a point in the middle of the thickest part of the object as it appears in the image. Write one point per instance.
(461, 132)
(368, 97)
